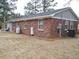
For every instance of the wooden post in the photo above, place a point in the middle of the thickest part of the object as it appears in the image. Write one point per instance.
(60, 30)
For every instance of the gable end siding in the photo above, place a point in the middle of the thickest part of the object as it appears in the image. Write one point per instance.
(66, 14)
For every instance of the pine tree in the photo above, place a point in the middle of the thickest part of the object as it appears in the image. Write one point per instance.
(37, 6)
(67, 3)
(32, 7)
(6, 8)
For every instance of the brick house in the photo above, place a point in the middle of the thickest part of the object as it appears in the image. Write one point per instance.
(46, 24)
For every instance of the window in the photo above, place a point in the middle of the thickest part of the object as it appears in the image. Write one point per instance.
(71, 25)
(66, 22)
(66, 25)
(40, 24)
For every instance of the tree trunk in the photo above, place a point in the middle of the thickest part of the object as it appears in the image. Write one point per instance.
(35, 8)
(4, 24)
(44, 5)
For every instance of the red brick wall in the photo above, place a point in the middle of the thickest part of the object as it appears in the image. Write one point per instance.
(76, 27)
(50, 27)
(55, 23)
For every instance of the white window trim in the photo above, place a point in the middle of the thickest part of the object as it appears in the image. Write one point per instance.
(72, 25)
(38, 26)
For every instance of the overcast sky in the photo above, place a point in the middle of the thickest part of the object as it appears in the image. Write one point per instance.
(74, 5)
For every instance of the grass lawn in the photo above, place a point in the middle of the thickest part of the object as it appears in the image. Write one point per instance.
(17, 46)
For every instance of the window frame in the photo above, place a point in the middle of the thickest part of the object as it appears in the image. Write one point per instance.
(40, 29)
(72, 25)
(67, 24)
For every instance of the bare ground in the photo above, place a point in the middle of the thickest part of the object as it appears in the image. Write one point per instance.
(17, 46)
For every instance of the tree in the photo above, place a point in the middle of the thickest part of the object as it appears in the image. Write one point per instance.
(47, 5)
(32, 6)
(37, 6)
(67, 3)
(6, 10)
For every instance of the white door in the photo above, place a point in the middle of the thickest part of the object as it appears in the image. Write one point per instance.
(10, 27)
(17, 29)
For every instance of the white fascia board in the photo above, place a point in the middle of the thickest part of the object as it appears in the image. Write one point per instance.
(64, 19)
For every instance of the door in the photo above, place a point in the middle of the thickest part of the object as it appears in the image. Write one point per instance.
(10, 27)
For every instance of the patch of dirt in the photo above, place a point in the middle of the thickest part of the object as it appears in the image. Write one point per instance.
(17, 46)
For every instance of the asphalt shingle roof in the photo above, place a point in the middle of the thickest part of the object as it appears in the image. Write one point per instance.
(39, 14)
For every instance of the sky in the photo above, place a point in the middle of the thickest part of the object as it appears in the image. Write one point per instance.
(74, 5)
